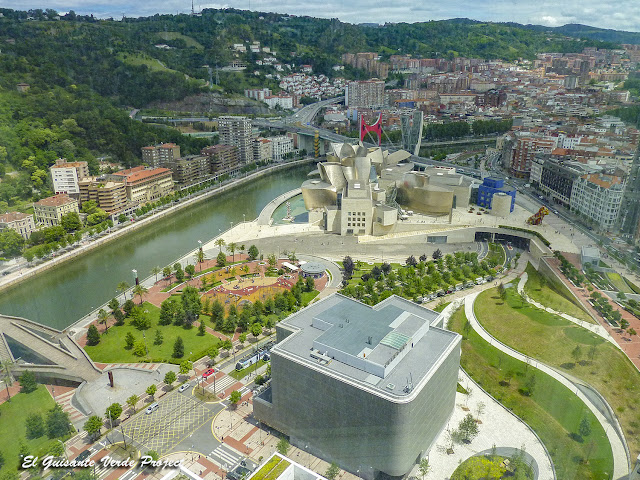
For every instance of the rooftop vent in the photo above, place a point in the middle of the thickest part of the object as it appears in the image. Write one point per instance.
(390, 386)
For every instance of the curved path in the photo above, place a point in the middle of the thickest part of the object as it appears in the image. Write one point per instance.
(267, 212)
(500, 427)
(620, 459)
(597, 329)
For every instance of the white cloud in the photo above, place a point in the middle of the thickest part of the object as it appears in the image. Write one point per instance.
(615, 14)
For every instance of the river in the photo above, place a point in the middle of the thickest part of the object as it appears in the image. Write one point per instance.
(61, 296)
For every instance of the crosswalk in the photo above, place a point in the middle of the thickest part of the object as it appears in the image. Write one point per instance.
(226, 457)
(222, 384)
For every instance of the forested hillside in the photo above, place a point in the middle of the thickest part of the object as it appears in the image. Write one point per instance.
(86, 74)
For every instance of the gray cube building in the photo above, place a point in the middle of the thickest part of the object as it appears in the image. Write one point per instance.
(369, 388)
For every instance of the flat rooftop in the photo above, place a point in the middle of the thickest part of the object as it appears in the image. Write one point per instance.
(390, 347)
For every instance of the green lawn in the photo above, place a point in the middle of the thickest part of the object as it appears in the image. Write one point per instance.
(307, 297)
(111, 347)
(239, 374)
(190, 42)
(552, 297)
(552, 410)
(13, 430)
(632, 285)
(496, 254)
(618, 282)
(610, 371)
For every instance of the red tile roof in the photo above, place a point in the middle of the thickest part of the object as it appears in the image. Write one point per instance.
(13, 216)
(56, 200)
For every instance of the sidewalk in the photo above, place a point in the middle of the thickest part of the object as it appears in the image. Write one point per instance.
(620, 460)
(597, 329)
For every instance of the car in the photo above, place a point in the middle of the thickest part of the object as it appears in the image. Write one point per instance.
(83, 455)
(184, 386)
(208, 373)
(152, 408)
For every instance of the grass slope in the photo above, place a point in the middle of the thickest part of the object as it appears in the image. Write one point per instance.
(552, 298)
(13, 431)
(552, 410)
(610, 371)
(111, 347)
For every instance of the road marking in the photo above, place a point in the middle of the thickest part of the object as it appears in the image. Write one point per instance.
(225, 455)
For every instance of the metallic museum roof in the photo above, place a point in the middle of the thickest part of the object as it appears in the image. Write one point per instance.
(390, 347)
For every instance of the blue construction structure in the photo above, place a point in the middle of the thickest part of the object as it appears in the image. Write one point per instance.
(492, 185)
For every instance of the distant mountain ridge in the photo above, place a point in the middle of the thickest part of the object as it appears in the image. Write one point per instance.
(586, 31)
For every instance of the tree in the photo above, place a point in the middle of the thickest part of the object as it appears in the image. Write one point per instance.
(221, 260)
(158, 339)
(220, 243)
(502, 292)
(58, 422)
(437, 254)
(178, 348)
(35, 426)
(226, 345)
(411, 260)
(140, 291)
(129, 340)
(235, 397)
(468, 428)
(139, 349)
(170, 377)
(93, 426)
(310, 284)
(128, 307)
(113, 411)
(424, 467)
(122, 288)
(332, 472)
(140, 318)
(93, 336)
(232, 246)
(185, 367)
(191, 304)
(576, 353)
(11, 243)
(103, 317)
(166, 272)
(190, 270)
(283, 446)
(202, 329)
(71, 222)
(28, 382)
(156, 271)
(584, 429)
(132, 401)
(151, 390)
(199, 257)
(253, 252)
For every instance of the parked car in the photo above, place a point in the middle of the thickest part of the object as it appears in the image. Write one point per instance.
(208, 373)
(184, 386)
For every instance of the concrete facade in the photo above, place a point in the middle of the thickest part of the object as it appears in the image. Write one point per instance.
(368, 388)
(66, 175)
(49, 211)
(20, 222)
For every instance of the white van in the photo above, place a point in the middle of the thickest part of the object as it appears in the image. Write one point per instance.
(152, 408)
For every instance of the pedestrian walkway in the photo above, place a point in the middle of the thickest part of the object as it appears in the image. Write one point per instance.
(620, 459)
(64, 400)
(225, 456)
(597, 329)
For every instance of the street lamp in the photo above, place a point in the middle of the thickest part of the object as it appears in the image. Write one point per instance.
(64, 450)
(135, 276)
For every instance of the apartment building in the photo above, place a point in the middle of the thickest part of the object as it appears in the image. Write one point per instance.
(49, 211)
(598, 197)
(66, 175)
(262, 150)
(281, 146)
(367, 93)
(110, 196)
(145, 184)
(225, 159)
(161, 155)
(20, 222)
(191, 168)
(524, 151)
(237, 132)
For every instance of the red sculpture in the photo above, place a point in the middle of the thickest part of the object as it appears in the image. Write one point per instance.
(375, 128)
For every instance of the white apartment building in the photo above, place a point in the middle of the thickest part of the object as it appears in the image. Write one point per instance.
(18, 221)
(367, 93)
(236, 131)
(262, 150)
(65, 176)
(283, 101)
(598, 197)
(281, 146)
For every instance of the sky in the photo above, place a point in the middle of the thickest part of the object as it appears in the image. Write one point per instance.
(615, 14)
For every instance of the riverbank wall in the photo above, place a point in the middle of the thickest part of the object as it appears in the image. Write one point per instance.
(24, 274)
